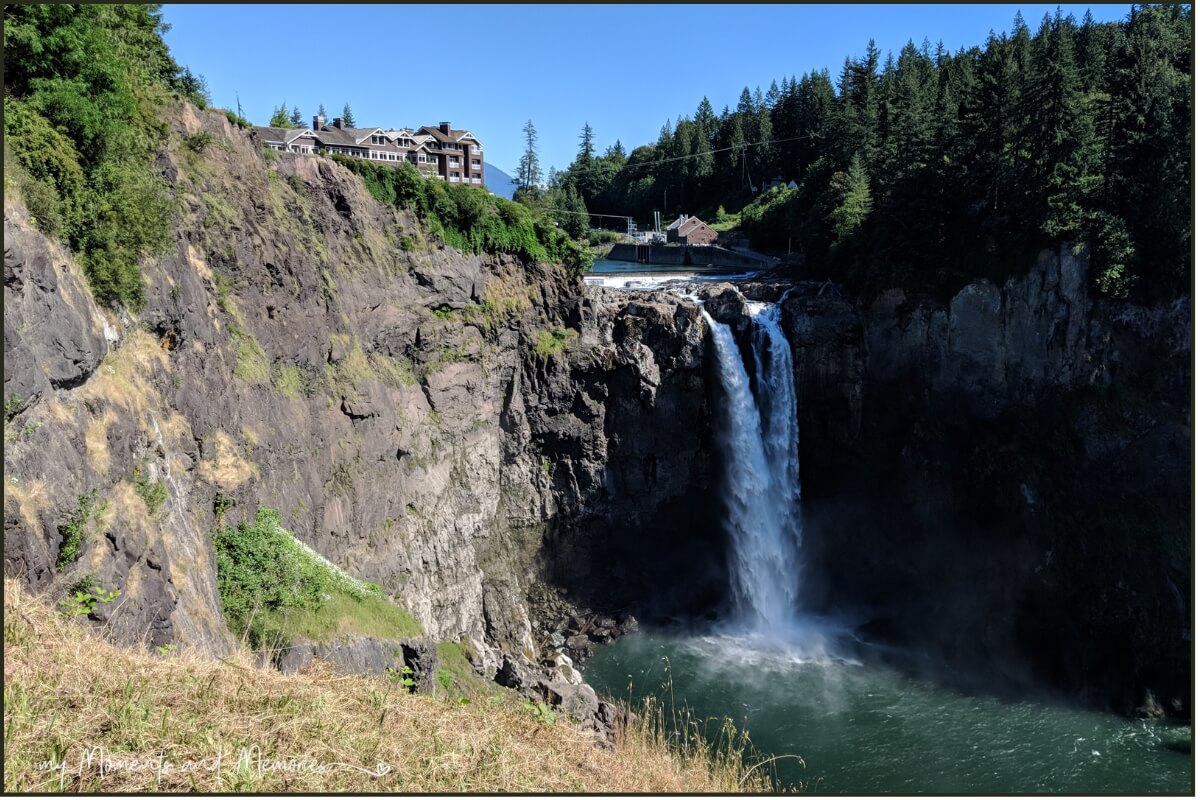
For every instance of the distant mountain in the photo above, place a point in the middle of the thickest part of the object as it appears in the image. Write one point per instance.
(498, 182)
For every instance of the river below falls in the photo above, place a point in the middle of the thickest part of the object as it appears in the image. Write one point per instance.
(871, 729)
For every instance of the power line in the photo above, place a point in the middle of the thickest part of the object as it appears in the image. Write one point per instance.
(743, 146)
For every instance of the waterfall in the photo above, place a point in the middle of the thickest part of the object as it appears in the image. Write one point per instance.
(759, 443)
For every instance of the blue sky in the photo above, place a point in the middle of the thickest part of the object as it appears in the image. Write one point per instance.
(625, 69)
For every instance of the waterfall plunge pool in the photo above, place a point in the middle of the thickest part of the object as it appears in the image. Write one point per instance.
(804, 687)
(863, 728)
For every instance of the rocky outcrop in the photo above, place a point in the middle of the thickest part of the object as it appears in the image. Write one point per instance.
(54, 334)
(620, 425)
(576, 700)
(368, 655)
(992, 347)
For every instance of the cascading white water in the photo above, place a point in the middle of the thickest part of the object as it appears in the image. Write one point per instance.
(759, 439)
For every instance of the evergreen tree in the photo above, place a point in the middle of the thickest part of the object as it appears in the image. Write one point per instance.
(702, 164)
(280, 118)
(587, 150)
(765, 163)
(853, 192)
(773, 95)
(321, 110)
(1064, 165)
(728, 171)
(860, 107)
(912, 111)
(706, 121)
(347, 116)
(1149, 174)
(615, 154)
(576, 222)
(529, 171)
(296, 119)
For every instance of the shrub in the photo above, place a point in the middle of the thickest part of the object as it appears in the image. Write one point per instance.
(221, 504)
(235, 119)
(75, 528)
(198, 142)
(599, 237)
(153, 493)
(553, 340)
(260, 569)
(83, 596)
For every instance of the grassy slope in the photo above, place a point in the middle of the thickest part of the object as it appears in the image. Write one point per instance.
(67, 693)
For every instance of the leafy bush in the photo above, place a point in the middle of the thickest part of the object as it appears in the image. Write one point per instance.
(221, 504)
(261, 569)
(75, 528)
(599, 237)
(198, 142)
(84, 595)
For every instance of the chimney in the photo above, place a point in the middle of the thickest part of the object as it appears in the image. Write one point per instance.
(318, 122)
(337, 122)
(444, 127)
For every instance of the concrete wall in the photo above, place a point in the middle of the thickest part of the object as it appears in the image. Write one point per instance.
(692, 255)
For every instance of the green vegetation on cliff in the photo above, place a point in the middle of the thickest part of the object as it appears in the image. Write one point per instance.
(468, 218)
(274, 590)
(83, 84)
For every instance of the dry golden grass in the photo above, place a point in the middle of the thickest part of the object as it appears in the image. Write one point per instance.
(228, 470)
(81, 715)
(96, 441)
(123, 377)
(31, 496)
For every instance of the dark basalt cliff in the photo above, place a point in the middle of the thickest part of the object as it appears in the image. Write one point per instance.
(1004, 482)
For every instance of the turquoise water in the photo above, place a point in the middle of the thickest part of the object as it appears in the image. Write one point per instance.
(869, 729)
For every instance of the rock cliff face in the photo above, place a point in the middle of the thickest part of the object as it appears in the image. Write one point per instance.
(1003, 480)
(306, 348)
